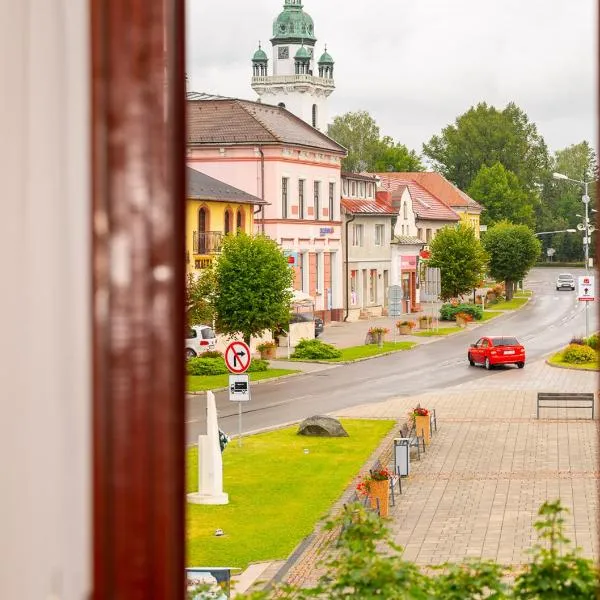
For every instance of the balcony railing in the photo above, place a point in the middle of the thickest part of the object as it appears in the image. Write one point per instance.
(287, 79)
(208, 242)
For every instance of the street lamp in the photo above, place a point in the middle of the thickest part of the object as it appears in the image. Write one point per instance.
(588, 230)
(559, 231)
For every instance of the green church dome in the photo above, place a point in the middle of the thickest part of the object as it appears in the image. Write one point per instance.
(293, 24)
(260, 55)
(325, 59)
(302, 53)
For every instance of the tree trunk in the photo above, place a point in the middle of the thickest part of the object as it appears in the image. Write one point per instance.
(509, 285)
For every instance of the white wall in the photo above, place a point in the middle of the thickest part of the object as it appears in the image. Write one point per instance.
(44, 306)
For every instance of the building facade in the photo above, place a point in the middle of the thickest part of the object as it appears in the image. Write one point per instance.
(268, 152)
(297, 80)
(214, 209)
(368, 231)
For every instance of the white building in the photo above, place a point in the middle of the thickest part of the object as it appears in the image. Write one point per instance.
(297, 82)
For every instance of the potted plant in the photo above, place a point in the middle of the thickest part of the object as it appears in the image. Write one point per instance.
(463, 318)
(267, 350)
(377, 334)
(425, 321)
(376, 486)
(405, 327)
(422, 422)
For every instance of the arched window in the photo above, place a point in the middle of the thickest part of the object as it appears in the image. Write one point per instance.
(405, 206)
(228, 223)
(203, 228)
(314, 115)
(239, 222)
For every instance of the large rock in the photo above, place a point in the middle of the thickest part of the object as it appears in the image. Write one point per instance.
(319, 426)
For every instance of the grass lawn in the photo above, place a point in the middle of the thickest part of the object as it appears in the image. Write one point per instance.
(489, 314)
(513, 304)
(201, 383)
(556, 359)
(523, 293)
(277, 492)
(440, 331)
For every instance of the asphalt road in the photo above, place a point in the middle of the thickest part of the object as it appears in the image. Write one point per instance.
(544, 325)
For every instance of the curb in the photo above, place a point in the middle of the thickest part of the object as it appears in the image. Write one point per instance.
(587, 369)
(252, 383)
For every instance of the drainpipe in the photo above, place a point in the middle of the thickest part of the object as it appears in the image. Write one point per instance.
(261, 208)
(347, 281)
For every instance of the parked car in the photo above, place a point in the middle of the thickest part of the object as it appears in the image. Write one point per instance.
(490, 351)
(565, 281)
(299, 317)
(200, 339)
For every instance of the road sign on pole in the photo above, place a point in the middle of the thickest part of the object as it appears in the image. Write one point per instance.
(586, 285)
(237, 357)
(239, 388)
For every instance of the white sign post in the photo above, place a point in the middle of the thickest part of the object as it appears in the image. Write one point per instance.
(586, 285)
(237, 359)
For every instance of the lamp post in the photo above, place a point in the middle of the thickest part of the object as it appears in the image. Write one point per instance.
(558, 231)
(588, 230)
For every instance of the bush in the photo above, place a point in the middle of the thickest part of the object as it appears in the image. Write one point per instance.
(577, 340)
(592, 341)
(212, 354)
(576, 354)
(206, 366)
(315, 350)
(448, 311)
(257, 365)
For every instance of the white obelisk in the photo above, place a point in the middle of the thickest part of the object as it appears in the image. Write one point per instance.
(210, 461)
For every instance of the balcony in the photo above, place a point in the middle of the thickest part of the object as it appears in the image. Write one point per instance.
(208, 242)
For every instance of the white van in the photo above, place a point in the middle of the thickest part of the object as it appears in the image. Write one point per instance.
(200, 339)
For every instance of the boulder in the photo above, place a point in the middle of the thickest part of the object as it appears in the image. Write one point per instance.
(319, 426)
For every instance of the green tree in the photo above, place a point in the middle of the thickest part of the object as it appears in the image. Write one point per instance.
(460, 258)
(485, 135)
(199, 297)
(512, 250)
(498, 190)
(367, 151)
(253, 281)
(359, 134)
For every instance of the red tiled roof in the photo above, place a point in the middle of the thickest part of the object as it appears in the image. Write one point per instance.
(439, 186)
(425, 204)
(232, 121)
(368, 207)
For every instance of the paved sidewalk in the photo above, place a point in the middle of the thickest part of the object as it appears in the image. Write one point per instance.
(476, 491)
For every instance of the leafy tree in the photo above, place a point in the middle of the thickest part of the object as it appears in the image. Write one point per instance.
(460, 258)
(359, 134)
(498, 190)
(253, 282)
(390, 156)
(513, 250)
(485, 135)
(199, 297)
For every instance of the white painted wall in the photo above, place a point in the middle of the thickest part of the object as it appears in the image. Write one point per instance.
(45, 447)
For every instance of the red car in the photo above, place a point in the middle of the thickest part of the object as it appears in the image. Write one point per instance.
(490, 351)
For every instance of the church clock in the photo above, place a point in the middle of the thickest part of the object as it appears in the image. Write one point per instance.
(283, 52)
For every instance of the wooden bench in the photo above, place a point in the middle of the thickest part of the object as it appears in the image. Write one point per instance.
(414, 439)
(565, 400)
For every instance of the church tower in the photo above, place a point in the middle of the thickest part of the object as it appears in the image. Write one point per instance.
(298, 82)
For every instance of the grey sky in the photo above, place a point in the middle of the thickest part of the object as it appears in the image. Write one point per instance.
(415, 65)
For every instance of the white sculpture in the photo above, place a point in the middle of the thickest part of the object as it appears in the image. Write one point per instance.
(210, 461)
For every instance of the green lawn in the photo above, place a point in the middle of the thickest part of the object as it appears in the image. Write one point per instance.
(523, 293)
(556, 359)
(513, 304)
(489, 314)
(202, 383)
(440, 331)
(277, 492)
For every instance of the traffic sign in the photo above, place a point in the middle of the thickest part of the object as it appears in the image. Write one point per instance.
(237, 357)
(586, 285)
(239, 388)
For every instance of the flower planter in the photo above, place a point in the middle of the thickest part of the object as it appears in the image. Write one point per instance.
(423, 426)
(461, 322)
(404, 330)
(268, 353)
(380, 490)
(424, 324)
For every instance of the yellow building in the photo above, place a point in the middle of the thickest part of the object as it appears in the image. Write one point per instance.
(214, 209)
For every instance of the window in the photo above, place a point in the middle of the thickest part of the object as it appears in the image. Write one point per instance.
(369, 190)
(420, 233)
(361, 189)
(314, 115)
(353, 189)
(228, 222)
(331, 195)
(239, 224)
(405, 209)
(373, 286)
(357, 235)
(301, 198)
(379, 234)
(317, 199)
(284, 197)
(317, 272)
(345, 187)
(353, 287)
(428, 235)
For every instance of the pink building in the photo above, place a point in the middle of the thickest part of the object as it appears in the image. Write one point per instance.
(270, 153)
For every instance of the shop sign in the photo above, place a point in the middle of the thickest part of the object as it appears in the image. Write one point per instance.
(326, 230)
(408, 262)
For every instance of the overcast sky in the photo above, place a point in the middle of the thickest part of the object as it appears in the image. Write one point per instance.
(416, 65)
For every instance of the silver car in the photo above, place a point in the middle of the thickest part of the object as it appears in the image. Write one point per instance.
(565, 281)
